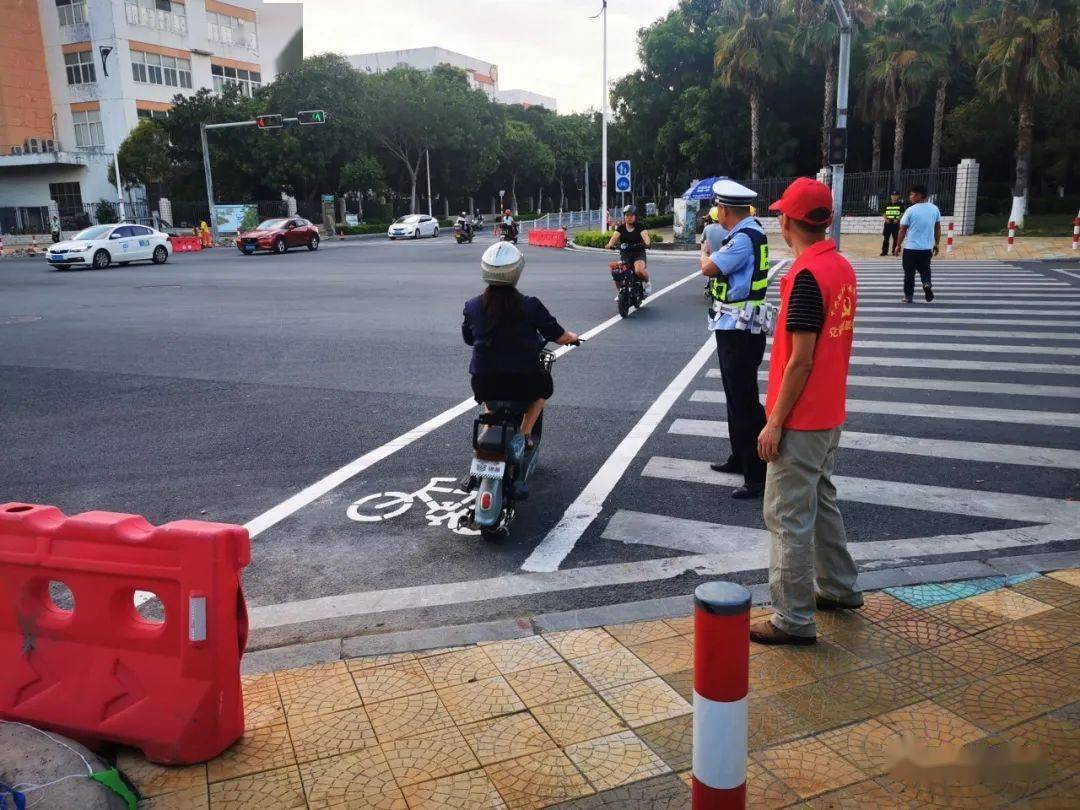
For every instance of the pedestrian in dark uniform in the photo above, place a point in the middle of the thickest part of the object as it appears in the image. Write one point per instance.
(740, 276)
(892, 213)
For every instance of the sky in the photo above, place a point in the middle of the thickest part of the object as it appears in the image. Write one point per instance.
(547, 46)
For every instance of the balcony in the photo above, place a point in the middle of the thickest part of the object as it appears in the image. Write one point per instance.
(164, 21)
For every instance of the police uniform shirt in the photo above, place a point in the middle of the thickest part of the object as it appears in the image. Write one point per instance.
(893, 211)
(737, 261)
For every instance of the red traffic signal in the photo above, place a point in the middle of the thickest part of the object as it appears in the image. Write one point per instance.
(268, 121)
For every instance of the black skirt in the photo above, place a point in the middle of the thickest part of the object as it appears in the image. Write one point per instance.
(512, 387)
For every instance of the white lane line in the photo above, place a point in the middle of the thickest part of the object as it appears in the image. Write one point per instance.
(1037, 325)
(926, 410)
(1065, 272)
(974, 348)
(338, 477)
(920, 315)
(365, 603)
(967, 333)
(560, 541)
(923, 497)
(970, 386)
(964, 365)
(734, 543)
(915, 446)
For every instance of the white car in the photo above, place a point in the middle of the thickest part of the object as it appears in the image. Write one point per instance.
(101, 245)
(413, 226)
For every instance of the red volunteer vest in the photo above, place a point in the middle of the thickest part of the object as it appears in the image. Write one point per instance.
(821, 405)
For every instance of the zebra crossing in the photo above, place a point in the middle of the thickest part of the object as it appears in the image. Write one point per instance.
(936, 397)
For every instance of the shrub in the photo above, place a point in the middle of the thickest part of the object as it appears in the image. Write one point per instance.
(368, 227)
(592, 238)
(661, 221)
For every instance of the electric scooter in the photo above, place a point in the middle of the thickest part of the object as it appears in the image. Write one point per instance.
(502, 463)
(631, 288)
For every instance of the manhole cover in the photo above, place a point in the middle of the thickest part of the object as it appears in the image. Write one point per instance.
(13, 319)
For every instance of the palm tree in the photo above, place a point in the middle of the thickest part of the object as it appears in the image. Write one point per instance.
(905, 54)
(873, 107)
(750, 53)
(955, 44)
(816, 36)
(1026, 57)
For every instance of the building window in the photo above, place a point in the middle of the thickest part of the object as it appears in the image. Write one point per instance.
(152, 68)
(248, 80)
(71, 12)
(231, 31)
(68, 198)
(158, 115)
(162, 15)
(80, 67)
(89, 133)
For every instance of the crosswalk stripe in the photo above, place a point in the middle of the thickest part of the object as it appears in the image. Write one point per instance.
(1035, 323)
(912, 446)
(970, 386)
(977, 286)
(924, 315)
(924, 497)
(964, 365)
(974, 348)
(967, 333)
(745, 548)
(1059, 300)
(925, 410)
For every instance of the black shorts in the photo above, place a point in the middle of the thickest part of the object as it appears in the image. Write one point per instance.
(512, 387)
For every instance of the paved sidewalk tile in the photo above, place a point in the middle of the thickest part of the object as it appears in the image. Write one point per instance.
(945, 695)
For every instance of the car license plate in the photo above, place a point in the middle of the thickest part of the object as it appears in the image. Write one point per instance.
(249, 248)
(487, 469)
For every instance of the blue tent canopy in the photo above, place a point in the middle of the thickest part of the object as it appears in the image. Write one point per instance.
(702, 189)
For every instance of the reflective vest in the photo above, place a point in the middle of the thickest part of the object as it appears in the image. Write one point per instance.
(893, 212)
(759, 281)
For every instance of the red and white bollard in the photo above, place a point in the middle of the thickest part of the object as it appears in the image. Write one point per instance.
(33, 244)
(1012, 235)
(721, 686)
(1076, 234)
(949, 239)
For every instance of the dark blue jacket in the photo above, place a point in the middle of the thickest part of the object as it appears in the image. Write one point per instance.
(513, 347)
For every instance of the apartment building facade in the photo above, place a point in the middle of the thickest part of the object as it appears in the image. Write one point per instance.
(77, 75)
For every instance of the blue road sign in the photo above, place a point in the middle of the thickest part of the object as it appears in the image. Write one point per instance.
(622, 183)
(622, 168)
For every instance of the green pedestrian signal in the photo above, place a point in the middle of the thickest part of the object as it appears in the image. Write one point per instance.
(311, 117)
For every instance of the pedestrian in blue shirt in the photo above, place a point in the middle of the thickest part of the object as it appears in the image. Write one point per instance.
(920, 233)
(739, 273)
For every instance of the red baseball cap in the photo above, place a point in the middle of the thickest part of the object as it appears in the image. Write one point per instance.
(806, 200)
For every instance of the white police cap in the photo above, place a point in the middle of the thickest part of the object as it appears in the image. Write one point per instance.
(728, 192)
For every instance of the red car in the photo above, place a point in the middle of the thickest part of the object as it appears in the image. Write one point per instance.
(279, 235)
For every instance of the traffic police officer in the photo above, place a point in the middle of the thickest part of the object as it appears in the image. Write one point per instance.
(738, 316)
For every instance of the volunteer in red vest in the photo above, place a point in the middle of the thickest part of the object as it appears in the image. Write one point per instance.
(809, 563)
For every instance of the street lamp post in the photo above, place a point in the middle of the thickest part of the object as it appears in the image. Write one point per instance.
(841, 116)
(119, 193)
(603, 128)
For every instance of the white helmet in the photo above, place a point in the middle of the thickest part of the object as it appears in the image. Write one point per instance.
(502, 264)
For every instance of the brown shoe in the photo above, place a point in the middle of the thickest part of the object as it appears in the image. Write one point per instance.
(828, 603)
(768, 633)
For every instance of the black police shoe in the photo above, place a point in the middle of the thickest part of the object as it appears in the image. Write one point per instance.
(748, 492)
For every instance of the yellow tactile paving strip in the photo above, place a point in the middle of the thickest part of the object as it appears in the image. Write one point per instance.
(972, 703)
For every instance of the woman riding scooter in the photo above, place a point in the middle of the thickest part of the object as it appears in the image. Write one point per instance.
(506, 329)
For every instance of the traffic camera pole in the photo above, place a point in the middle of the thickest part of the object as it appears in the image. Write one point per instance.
(841, 114)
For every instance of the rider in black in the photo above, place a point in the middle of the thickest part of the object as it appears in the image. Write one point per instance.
(506, 330)
(636, 239)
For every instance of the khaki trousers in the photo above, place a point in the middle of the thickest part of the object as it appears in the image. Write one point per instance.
(809, 542)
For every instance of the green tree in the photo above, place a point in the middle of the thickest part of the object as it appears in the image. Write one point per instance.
(144, 156)
(1026, 57)
(363, 175)
(754, 39)
(905, 55)
(523, 156)
(816, 38)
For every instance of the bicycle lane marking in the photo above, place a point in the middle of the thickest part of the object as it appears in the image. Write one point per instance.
(313, 492)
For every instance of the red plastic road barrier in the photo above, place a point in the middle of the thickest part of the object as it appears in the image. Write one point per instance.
(949, 240)
(721, 686)
(185, 244)
(1076, 234)
(1012, 235)
(99, 671)
(554, 238)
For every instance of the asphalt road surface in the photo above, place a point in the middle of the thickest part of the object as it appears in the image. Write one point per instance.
(321, 400)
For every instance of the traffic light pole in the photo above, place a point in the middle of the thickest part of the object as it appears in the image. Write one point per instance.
(841, 113)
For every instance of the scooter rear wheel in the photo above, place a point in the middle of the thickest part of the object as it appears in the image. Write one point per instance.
(624, 303)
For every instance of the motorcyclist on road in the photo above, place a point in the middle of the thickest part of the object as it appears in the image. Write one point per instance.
(464, 223)
(506, 330)
(636, 239)
(508, 224)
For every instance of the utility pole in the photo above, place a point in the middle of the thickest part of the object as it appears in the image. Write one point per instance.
(603, 136)
(427, 158)
(119, 192)
(841, 117)
(588, 198)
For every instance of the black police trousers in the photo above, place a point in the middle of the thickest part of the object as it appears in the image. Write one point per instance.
(890, 231)
(740, 354)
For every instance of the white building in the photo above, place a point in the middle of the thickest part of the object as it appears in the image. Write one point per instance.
(482, 75)
(87, 70)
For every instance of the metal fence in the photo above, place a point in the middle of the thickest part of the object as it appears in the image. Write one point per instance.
(24, 219)
(866, 193)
